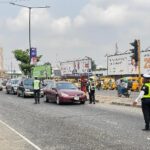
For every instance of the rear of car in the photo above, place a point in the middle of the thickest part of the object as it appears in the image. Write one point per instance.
(1, 86)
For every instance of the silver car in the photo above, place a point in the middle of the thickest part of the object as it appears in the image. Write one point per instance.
(11, 86)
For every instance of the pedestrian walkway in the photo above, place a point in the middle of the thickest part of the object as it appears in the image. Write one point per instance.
(115, 100)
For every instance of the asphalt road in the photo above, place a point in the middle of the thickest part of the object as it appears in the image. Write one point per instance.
(75, 126)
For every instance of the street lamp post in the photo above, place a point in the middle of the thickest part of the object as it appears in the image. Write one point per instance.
(29, 21)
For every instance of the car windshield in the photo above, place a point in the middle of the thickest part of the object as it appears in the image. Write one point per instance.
(66, 86)
(28, 82)
(15, 81)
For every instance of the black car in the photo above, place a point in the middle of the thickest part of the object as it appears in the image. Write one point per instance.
(1, 86)
(25, 88)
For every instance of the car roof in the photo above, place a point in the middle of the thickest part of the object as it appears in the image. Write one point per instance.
(62, 82)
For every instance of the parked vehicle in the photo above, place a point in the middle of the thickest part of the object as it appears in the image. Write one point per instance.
(1, 86)
(25, 88)
(11, 86)
(108, 83)
(63, 92)
(123, 87)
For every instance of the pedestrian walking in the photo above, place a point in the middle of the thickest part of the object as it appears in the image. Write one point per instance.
(91, 91)
(36, 87)
(145, 100)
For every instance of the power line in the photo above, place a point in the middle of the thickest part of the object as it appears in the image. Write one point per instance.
(4, 1)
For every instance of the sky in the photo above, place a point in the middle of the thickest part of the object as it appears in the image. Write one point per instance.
(73, 29)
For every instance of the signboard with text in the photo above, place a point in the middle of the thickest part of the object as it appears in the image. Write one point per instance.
(76, 66)
(123, 64)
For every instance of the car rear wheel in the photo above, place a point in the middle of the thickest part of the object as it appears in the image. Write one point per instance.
(12, 91)
(7, 92)
(47, 100)
(18, 94)
(58, 100)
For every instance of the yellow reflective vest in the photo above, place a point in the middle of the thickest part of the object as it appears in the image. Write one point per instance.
(147, 94)
(36, 84)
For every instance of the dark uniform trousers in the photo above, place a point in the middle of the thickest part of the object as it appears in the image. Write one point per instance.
(92, 96)
(37, 96)
(146, 111)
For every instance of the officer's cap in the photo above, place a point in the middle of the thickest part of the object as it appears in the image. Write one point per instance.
(146, 75)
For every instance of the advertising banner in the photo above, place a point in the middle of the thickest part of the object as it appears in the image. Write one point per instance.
(33, 54)
(145, 62)
(76, 66)
(43, 71)
(123, 64)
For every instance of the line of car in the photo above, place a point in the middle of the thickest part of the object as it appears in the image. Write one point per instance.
(54, 91)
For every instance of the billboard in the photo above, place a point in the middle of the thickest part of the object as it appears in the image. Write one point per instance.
(43, 71)
(123, 64)
(76, 67)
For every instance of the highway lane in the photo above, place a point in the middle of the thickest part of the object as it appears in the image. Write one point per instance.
(75, 126)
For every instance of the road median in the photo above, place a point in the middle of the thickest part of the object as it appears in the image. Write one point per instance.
(115, 100)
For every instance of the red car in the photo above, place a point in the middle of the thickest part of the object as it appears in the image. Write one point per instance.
(63, 92)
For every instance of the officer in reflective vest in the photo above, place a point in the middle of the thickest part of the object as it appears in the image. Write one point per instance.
(145, 101)
(36, 87)
(91, 91)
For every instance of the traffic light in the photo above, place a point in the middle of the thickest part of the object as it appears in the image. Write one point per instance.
(134, 51)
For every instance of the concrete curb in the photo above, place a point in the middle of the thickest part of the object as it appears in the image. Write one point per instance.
(125, 104)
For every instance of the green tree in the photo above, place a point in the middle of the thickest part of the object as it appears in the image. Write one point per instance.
(24, 58)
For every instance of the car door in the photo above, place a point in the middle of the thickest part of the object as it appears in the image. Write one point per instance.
(8, 86)
(53, 92)
(20, 88)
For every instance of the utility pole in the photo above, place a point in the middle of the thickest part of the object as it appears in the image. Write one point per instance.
(29, 7)
(139, 63)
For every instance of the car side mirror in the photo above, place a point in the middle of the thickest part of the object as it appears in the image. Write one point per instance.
(54, 89)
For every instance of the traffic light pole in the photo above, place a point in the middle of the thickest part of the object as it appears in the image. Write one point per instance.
(139, 64)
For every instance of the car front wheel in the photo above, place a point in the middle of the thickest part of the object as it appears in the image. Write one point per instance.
(82, 102)
(47, 100)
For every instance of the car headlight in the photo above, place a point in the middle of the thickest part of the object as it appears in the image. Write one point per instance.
(84, 94)
(64, 95)
(27, 90)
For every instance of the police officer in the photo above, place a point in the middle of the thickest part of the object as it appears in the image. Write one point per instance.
(145, 100)
(91, 91)
(36, 87)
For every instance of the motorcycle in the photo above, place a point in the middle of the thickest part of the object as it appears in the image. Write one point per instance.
(124, 92)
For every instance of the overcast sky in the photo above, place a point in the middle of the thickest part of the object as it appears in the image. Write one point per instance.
(72, 29)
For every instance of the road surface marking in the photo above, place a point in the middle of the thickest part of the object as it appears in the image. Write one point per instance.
(27, 140)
